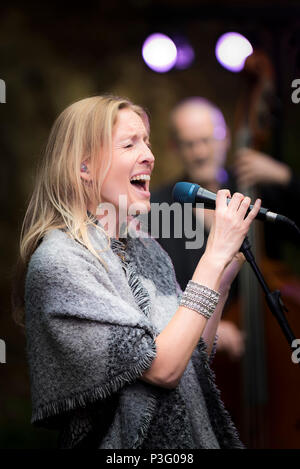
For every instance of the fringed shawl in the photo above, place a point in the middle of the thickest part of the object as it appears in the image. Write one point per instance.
(91, 335)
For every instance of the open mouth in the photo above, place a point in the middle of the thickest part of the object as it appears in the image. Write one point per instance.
(141, 182)
(200, 162)
(141, 185)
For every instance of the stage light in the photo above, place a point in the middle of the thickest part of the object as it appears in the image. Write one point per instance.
(232, 49)
(185, 53)
(159, 52)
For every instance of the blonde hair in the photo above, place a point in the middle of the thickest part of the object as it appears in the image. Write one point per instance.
(83, 131)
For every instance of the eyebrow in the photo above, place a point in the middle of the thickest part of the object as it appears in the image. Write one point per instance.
(134, 136)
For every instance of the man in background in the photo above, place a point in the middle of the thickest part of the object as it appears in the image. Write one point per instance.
(200, 139)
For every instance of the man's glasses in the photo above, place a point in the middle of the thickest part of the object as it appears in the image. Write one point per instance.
(189, 144)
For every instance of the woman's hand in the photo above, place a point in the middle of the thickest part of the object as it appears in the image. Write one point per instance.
(229, 227)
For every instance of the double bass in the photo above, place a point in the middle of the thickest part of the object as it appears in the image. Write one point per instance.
(261, 391)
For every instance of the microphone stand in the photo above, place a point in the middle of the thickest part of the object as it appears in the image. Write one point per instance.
(273, 299)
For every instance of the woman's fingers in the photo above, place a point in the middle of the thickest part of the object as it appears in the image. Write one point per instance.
(221, 199)
(238, 205)
(244, 205)
(235, 202)
(230, 225)
(252, 214)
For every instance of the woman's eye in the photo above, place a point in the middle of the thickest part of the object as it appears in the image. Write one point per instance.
(129, 145)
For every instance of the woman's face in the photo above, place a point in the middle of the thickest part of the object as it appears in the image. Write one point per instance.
(131, 156)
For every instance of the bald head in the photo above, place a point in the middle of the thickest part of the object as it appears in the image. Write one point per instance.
(195, 112)
(199, 133)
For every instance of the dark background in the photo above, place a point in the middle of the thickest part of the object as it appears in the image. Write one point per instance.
(54, 54)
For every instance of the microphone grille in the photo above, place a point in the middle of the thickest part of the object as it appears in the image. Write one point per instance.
(184, 192)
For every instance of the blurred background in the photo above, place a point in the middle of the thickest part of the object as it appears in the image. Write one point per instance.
(54, 54)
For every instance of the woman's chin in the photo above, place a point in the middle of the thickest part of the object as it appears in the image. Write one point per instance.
(139, 206)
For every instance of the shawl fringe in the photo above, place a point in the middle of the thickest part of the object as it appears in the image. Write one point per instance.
(90, 396)
(148, 415)
(140, 293)
(233, 438)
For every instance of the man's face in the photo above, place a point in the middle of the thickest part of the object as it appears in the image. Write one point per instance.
(200, 144)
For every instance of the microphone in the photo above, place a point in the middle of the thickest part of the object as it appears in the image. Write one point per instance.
(187, 192)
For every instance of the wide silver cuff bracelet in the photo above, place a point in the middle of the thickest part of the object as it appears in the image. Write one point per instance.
(201, 299)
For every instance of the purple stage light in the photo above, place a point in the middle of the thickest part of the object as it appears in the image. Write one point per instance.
(159, 52)
(185, 55)
(222, 176)
(232, 49)
(220, 132)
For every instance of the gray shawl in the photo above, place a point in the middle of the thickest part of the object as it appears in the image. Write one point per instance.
(90, 336)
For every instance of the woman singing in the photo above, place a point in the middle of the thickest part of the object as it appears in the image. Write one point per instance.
(118, 355)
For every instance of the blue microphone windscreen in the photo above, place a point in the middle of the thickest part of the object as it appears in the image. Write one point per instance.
(185, 192)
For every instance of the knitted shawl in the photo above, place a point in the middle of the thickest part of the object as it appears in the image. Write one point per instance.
(90, 335)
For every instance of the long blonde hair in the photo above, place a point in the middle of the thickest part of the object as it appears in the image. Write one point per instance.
(60, 197)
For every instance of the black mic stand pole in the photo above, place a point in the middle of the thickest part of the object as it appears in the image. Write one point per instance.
(273, 299)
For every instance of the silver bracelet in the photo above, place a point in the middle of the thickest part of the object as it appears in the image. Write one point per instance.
(201, 299)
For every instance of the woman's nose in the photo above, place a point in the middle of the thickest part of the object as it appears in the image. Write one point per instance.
(147, 156)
